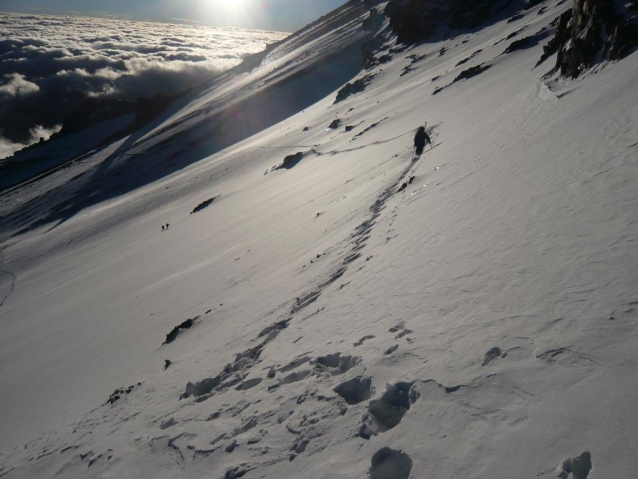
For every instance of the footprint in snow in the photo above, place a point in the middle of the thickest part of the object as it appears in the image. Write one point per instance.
(390, 464)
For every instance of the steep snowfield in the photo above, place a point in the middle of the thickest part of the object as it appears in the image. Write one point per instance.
(264, 90)
(338, 313)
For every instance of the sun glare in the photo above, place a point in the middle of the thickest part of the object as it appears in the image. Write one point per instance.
(229, 12)
(234, 7)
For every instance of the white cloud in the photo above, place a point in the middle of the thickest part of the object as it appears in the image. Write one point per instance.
(50, 64)
(36, 134)
(8, 148)
(17, 85)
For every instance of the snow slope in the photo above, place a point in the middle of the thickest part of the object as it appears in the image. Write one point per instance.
(479, 322)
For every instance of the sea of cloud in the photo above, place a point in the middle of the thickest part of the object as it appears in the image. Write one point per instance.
(50, 64)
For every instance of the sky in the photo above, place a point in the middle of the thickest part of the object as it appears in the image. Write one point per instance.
(279, 15)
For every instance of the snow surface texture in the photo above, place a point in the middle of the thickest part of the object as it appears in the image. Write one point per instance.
(353, 311)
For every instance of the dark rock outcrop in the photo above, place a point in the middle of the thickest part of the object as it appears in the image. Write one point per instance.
(352, 88)
(623, 40)
(592, 32)
(335, 123)
(172, 336)
(417, 20)
(560, 37)
(466, 75)
(203, 205)
(526, 42)
(120, 393)
(291, 161)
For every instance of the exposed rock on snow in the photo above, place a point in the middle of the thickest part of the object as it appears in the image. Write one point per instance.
(414, 59)
(593, 31)
(465, 60)
(363, 340)
(526, 42)
(417, 20)
(352, 88)
(334, 124)
(291, 161)
(465, 75)
(203, 205)
(562, 24)
(120, 393)
(472, 72)
(172, 336)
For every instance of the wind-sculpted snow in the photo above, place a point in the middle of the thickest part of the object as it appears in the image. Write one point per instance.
(360, 310)
(51, 63)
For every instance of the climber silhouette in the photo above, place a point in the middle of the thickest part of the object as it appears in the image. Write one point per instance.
(420, 140)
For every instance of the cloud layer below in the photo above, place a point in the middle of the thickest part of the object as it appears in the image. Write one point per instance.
(50, 64)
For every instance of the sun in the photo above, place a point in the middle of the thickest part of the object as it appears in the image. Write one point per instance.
(238, 13)
(234, 7)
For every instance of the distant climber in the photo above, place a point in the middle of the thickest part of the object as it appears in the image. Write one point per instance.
(163, 227)
(168, 226)
(420, 140)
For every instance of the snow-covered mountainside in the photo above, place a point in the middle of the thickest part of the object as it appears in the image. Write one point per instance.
(265, 281)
